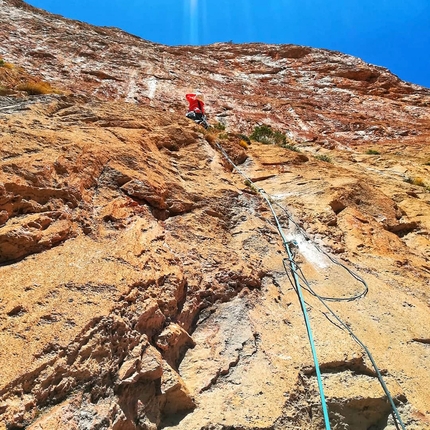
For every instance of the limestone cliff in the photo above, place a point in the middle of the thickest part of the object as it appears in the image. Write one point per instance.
(143, 280)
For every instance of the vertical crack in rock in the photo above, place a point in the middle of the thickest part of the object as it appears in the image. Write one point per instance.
(242, 352)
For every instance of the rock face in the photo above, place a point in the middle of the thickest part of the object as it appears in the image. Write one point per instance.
(143, 280)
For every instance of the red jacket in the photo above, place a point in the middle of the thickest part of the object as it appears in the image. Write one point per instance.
(195, 105)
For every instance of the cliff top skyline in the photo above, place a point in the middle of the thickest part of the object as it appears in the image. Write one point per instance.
(391, 34)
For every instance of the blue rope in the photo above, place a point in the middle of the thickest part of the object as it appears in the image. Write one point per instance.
(299, 292)
(305, 315)
(294, 270)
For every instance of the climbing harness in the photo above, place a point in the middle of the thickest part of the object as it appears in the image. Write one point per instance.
(298, 275)
(198, 118)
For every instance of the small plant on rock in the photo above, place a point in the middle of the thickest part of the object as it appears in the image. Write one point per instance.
(324, 157)
(219, 126)
(245, 138)
(266, 135)
(5, 64)
(417, 181)
(36, 88)
(251, 186)
(291, 147)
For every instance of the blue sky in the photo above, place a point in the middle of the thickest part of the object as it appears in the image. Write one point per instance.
(390, 33)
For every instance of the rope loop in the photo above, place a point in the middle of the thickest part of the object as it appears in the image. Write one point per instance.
(298, 275)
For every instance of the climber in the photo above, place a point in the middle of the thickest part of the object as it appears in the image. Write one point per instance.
(196, 109)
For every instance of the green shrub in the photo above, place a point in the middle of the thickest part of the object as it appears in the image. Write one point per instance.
(415, 181)
(372, 152)
(5, 64)
(219, 126)
(251, 186)
(266, 135)
(290, 147)
(36, 88)
(323, 157)
(245, 138)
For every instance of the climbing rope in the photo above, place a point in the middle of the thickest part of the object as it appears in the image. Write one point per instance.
(332, 259)
(297, 275)
(299, 292)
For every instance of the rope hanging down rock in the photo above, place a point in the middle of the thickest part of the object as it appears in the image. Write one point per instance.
(297, 274)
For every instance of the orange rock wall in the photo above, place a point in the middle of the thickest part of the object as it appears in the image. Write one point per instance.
(143, 280)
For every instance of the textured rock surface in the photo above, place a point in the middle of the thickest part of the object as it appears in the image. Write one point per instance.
(143, 283)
